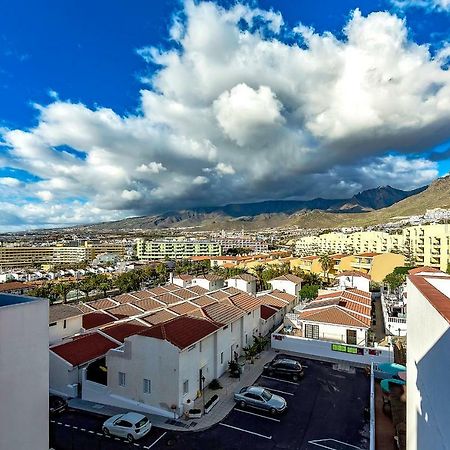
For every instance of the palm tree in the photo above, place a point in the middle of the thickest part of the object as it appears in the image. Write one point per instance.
(327, 263)
(259, 269)
(63, 289)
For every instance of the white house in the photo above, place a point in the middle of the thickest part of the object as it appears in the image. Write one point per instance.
(354, 279)
(210, 281)
(268, 319)
(287, 283)
(182, 280)
(244, 282)
(428, 359)
(64, 321)
(69, 358)
(23, 372)
(342, 316)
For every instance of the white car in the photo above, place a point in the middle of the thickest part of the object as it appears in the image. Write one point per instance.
(131, 426)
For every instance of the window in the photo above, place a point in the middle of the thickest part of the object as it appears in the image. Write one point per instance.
(65, 323)
(221, 358)
(200, 346)
(311, 331)
(246, 338)
(147, 386)
(231, 328)
(186, 387)
(122, 379)
(351, 337)
(52, 324)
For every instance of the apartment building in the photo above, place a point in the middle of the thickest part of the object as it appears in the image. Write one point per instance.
(255, 246)
(175, 249)
(428, 358)
(377, 265)
(422, 244)
(24, 372)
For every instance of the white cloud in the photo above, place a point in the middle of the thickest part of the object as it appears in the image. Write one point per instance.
(309, 118)
(10, 181)
(439, 5)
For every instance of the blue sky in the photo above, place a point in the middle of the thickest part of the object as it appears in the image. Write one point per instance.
(77, 95)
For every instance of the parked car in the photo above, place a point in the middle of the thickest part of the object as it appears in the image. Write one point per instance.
(258, 397)
(56, 404)
(131, 426)
(284, 366)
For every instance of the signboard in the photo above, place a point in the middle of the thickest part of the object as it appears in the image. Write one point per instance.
(347, 349)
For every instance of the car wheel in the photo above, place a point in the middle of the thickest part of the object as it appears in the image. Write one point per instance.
(105, 431)
(130, 438)
(242, 404)
(273, 411)
(295, 377)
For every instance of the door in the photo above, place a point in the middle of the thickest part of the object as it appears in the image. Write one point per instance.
(351, 337)
(200, 379)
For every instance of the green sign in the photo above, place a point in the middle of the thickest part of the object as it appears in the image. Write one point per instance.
(347, 349)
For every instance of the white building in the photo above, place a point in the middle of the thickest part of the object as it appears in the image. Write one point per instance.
(428, 360)
(289, 283)
(63, 321)
(23, 373)
(244, 281)
(210, 282)
(182, 280)
(353, 279)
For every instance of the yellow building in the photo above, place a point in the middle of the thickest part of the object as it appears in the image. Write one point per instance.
(377, 265)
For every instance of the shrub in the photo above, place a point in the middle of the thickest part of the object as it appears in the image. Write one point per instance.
(214, 385)
(211, 401)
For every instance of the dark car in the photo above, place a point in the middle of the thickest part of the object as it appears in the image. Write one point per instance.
(56, 404)
(284, 366)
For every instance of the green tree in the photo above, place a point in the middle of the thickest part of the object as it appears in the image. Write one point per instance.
(63, 289)
(311, 279)
(327, 264)
(86, 286)
(308, 292)
(394, 280)
(259, 269)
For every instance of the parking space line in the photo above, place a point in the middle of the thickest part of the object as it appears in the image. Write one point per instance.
(52, 421)
(74, 427)
(99, 434)
(279, 379)
(245, 431)
(90, 431)
(67, 425)
(318, 443)
(157, 440)
(257, 415)
(277, 390)
(136, 445)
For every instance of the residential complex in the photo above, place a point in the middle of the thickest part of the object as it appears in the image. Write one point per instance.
(29, 256)
(175, 249)
(24, 369)
(423, 244)
(428, 356)
(256, 246)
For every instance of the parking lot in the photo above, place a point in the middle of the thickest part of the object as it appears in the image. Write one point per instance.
(326, 410)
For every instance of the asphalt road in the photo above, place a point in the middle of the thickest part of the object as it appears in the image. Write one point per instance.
(326, 410)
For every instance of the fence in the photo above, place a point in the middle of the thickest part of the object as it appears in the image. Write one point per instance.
(393, 325)
(331, 351)
(372, 408)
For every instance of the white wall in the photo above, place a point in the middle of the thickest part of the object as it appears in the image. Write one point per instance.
(316, 349)
(145, 357)
(286, 286)
(72, 326)
(338, 333)
(226, 338)
(360, 283)
(246, 286)
(63, 376)
(428, 365)
(24, 376)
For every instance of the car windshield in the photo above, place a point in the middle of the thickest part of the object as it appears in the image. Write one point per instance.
(266, 395)
(142, 422)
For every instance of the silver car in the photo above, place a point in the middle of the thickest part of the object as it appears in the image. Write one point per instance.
(131, 426)
(258, 397)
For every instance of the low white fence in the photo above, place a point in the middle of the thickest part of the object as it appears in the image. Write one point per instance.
(332, 351)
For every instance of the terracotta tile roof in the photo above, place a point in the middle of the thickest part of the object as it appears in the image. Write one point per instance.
(170, 287)
(183, 331)
(142, 294)
(62, 311)
(267, 312)
(219, 295)
(231, 290)
(157, 290)
(223, 312)
(269, 300)
(169, 298)
(84, 349)
(124, 298)
(204, 300)
(353, 273)
(439, 301)
(309, 258)
(332, 315)
(283, 296)
(12, 286)
(200, 258)
(184, 308)
(159, 317)
(149, 304)
(245, 301)
(124, 310)
(103, 303)
(289, 277)
(368, 255)
(184, 277)
(209, 277)
(198, 313)
(121, 331)
(184, 293)
(96, 319)
(418, 270)
(331, 294)
(84, 308)
(198, 290)
(244, 276)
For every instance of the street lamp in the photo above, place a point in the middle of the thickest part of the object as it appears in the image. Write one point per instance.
(203, 379)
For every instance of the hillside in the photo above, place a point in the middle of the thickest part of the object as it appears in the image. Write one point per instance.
(359, 210)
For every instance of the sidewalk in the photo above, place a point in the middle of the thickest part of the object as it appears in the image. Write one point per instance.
(225, 404)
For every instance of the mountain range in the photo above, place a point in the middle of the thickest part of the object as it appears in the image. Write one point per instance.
(369, 207)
